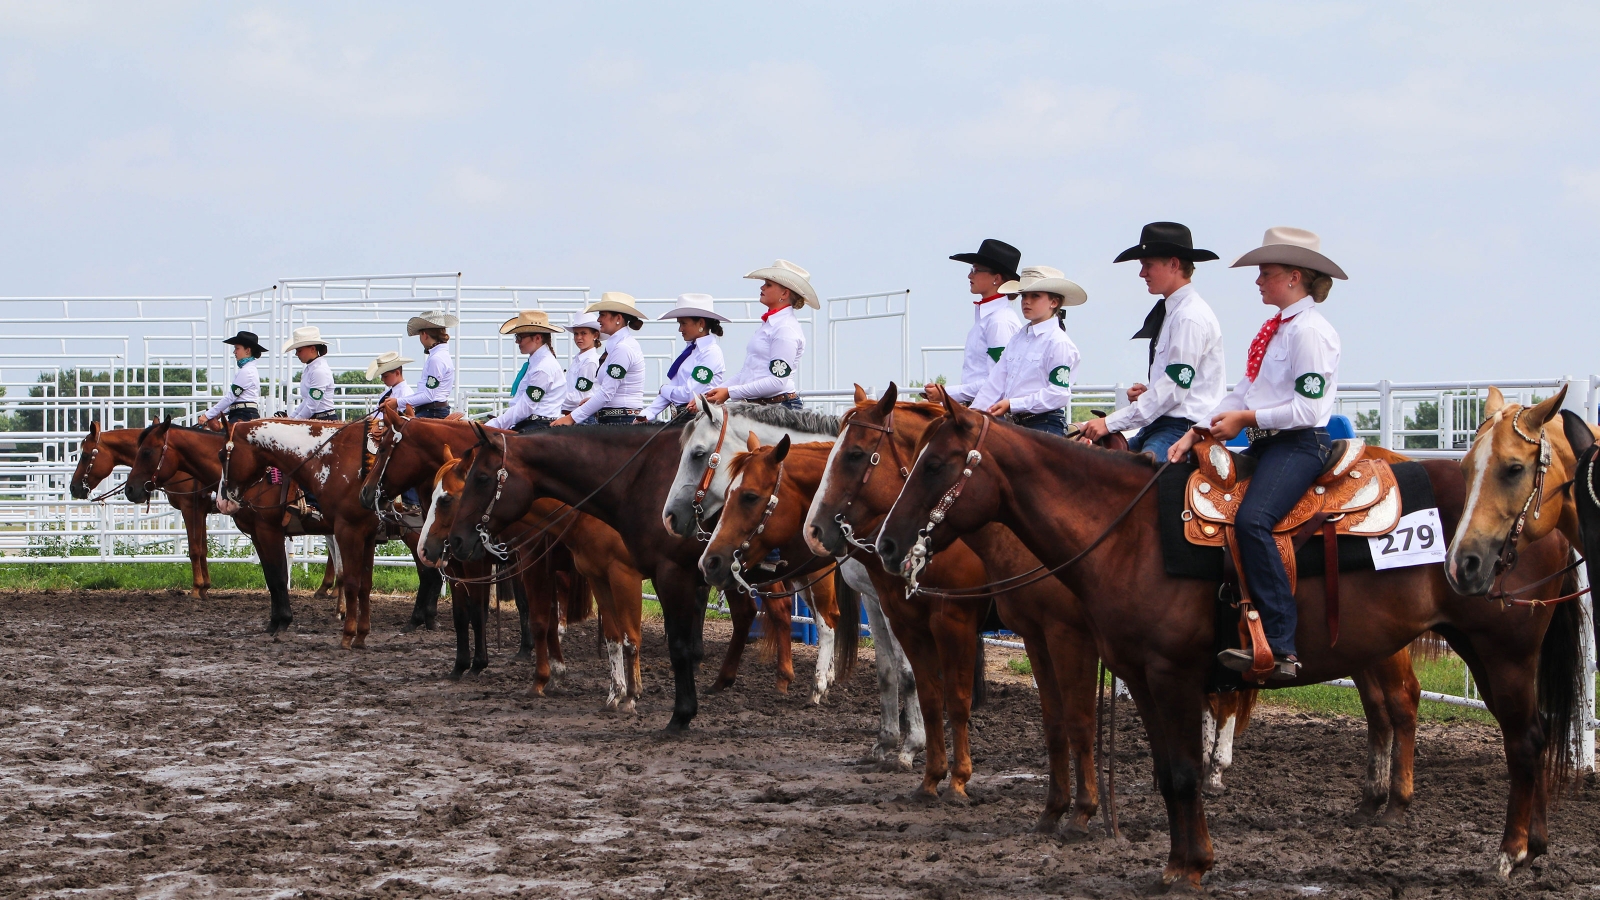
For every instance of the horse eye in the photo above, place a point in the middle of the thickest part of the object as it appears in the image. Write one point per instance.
(1515, 469)
(445, 500)
(699, 452)
(749, 497)
(934, 464)
(855, 454)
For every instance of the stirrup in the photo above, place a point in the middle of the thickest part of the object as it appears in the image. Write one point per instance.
(1285, 667)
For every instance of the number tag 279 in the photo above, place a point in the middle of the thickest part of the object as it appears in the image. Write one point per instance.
(1417, 540)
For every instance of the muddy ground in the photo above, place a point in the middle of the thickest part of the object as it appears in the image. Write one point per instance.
(156, 746)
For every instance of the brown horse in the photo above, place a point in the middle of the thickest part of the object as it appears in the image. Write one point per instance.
(415, 453)
(1091, 516)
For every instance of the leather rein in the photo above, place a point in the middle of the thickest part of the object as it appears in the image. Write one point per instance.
(704, 487)
(1507, 560)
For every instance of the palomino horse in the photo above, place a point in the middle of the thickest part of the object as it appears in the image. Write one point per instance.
(173, 458)
(612, 472)
(713, 436)
(1091, 517)
(413, 452)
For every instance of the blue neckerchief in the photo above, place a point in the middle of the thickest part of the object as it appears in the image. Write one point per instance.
(517, 382)
(241, 363)
(673, 372)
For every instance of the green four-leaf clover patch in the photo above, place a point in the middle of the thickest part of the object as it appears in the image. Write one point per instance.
(316, 393)
(994, 353)
(780, 368)
(1182, 374)
(615, 370)
(1060, 376)
(433, 382)
(584, 384)
(535, 393)
(701, 374)
(238, 391)
(1310, 385)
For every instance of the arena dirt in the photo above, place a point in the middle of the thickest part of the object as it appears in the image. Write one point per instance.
(156, 746)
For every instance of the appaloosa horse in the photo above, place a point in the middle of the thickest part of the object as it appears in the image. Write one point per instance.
(1091, 517)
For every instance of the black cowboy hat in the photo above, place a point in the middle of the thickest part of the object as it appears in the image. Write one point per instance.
(247, 339)
(1163, 239)
(998, 257)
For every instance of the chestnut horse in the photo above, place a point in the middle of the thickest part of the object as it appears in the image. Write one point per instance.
(414, 453)
(1091, 516)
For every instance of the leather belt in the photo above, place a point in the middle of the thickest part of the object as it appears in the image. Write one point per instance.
(619, 411)
(243, 406)
(437, 404)
(1256, 434)
(768, 401)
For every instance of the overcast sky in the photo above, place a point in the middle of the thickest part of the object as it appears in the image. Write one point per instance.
(1447, 154)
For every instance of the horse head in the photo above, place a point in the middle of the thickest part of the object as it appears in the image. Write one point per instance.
(866, 439)
(152, 465)
(741, 533)
(689, 500)
(95, 463)
(433, 544)
(1513, 471)
(479, 512)
(384, 434)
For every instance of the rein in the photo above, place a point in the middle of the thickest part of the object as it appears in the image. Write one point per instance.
(704, 487)
(737, 567)
(1507, 560)
(919, 550)
(885, 430)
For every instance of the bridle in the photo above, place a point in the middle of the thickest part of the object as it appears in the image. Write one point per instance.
(885, 432)
(387, 454)
(919, 555)
(497, 549)
(1507, 560)
(704, 487)
(737, 566)
(88, 468)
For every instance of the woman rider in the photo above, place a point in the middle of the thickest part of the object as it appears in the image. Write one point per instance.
(243, 400)
(536, 393)
(430, 399)
(1283, 404)
(700, 366)
(316, 382)
(585, 366)
(618, 396)
(773, 352)
(1032, 382)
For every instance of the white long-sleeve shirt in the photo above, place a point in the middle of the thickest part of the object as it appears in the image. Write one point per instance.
(620, 384)
(699, 372)
(316, 389)
(1035, 372)
(994, 324)
(1299, 374)
(770, 358)
(1189, 375)
(580, 378)
(438, 380)
(246, 388)
(539, 393)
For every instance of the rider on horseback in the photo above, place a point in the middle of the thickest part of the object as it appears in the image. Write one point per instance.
(431, 398)
(1283, 403)
(700, 365)
(773, 352)
(1032, 382)
(316, 382)
(618, 395)
(536, 394)
(994, 323)
(243, 400)
(388, 366)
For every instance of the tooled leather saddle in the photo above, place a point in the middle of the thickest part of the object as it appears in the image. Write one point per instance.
(1356, 494)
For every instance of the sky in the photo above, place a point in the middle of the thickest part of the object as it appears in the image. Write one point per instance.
(1448, 155)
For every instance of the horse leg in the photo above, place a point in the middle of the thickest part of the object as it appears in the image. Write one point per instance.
(683, 610)
(612, 637)
(625, 585)
(330, 575)
(912, 628)
(743, 611)
(1403, 695)
(460, 619)
(425, 612)
(1073, 668)
(275, 569)
(887, 659)
(554, 628)
(1218, 724)
(1170, 704)
(824, 614)
(778, 630)
(533, 608)
(478, 607)
(1057, 746)
(194, 529)
(956, 629)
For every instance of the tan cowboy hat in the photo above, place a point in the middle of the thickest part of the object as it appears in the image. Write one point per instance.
(386, 362)
(531, 321)
(792, 277)
(617, 302)
(1050, 281)
(694, 305)
(429, 321)
(308, 336)
(1291, 247)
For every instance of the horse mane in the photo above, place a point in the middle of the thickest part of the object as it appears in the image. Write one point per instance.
(783, 417)
(934, 411)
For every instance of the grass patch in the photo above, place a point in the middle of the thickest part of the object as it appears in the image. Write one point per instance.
(1444, 675)
(162, 576)
(1020, 665)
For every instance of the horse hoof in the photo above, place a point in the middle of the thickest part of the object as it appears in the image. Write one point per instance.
(956, 796)
(522, 656)
(628, 707)
(676, 727)
(410, 626)
(455, 675)
(818, 695)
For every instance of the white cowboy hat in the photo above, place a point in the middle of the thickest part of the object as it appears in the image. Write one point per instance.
(584, 320)
(1048, 280)
(617, 302)
(307, 336)
(428, 321)
(694, 305)
(531, 321)
(790, 276)
(1291, 247)
(386, 362)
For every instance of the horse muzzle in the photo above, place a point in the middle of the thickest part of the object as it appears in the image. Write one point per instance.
(716, 569)
(1470, 571)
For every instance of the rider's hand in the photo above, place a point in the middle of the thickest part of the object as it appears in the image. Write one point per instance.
(1001, 408)
(564, 420)
(1093, 430)
(934, 393)
(1225, 426)
(1179, 450)
(1135, 390)
(717, 395)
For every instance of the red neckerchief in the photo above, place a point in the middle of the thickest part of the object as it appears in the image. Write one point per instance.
(987, 299)
(1258, 347)
(772, 312)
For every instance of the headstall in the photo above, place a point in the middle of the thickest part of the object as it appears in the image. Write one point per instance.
(737, 566)
(498, 549)
(700, 491)
(919, 555)
(885, 430)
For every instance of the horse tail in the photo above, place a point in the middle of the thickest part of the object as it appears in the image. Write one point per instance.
(775, 626)
(580, 601)
(1560, 667)
(1247, 705)
(1428, 646)
(847, 637)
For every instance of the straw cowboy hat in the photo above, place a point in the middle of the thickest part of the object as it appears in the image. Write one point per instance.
(694, 305)
(617, 302)
(531, 321)
(429, 321)
(386, 362)
(1050, 281)
(309, 336)
(1162, 240)
(1291, 247)
(791, 276)
(998, 257)
(247, 339)
(584, 320)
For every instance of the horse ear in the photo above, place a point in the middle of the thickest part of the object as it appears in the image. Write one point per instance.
(782, 450)
(449, 455)
(1495, 403)
(94, 429)
(1539, 415)
(949, 402)
(1580, 436)
(483, 436)
(886, 402)
(168, 420)
(861, 395)
(753, 443)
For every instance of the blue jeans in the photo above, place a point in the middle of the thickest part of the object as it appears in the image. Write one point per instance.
(1053, 422)
(1286, 465)
(435, 410)
(1159, 436)
(792, 404)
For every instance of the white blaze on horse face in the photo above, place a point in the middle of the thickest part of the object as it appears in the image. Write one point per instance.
(1477, 467)
(433, 509)
(813, 515)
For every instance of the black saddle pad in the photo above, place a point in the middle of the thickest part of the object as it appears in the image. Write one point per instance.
(1185, 560)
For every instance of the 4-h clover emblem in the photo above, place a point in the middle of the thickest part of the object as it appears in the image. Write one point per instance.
(316, 393)
(432, 382)
(1059, 376)
(238, 391)
(779, 368)
(584, 384)
(1310, 385)
(701, 374)
(615, 370)
(1182, 374)
(535, 393)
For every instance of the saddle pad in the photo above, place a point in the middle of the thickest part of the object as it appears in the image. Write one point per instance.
(1182, 559)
